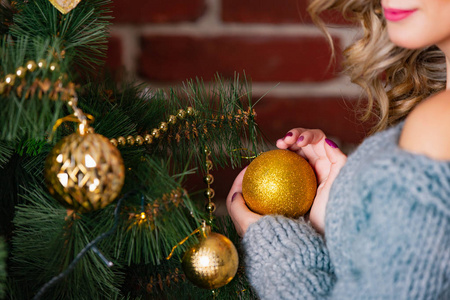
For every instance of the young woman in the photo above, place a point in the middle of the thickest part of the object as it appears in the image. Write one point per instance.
(379, 227)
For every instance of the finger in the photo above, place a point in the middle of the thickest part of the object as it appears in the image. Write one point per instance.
(240, 214)
(282, 145)
(290, 138)
(308, 138)
(336, 157)
(312, 136)
(236, 187)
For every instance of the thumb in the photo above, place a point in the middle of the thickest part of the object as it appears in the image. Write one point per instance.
(241, 215)
(336, 157)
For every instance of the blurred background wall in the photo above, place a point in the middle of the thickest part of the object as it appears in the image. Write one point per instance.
(165, 42)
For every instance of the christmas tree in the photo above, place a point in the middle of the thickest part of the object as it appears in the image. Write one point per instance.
(93, 181)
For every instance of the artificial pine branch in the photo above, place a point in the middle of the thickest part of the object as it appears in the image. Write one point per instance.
(6, 151)
(167, 280)
(3, 255)
(44, 238)
(6, 16)
(29, 106)
(81, 35)
(46, 242)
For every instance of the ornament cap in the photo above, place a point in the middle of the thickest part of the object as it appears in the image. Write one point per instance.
(205, 229)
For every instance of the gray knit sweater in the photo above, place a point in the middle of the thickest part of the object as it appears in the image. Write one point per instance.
(387, 233)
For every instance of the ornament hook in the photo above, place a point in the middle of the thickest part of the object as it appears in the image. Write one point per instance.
(204, 229)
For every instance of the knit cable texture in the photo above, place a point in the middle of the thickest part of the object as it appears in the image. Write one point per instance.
(287, 259)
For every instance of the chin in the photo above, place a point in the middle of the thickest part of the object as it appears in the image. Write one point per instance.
(406, 42)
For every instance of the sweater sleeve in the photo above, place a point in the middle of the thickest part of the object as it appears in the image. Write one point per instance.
(287, 259)
(401, 249)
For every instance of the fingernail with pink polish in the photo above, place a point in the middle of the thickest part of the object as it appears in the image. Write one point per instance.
(300, 139)
(331, 143)
(288, 134)
(234, 196)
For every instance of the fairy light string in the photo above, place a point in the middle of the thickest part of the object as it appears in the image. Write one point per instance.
(150, 211)
(90, 246)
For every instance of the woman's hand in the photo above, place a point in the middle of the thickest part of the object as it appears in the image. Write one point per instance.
(326, 160)
(237, 209)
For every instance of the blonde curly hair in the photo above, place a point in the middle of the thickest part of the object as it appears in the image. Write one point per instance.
(395, 79)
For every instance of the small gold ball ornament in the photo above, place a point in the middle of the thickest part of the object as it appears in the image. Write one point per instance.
(279, 182)
(213, 262)
(84, 172)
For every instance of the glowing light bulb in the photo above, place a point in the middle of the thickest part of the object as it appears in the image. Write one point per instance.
(59, 158)
(143, 216)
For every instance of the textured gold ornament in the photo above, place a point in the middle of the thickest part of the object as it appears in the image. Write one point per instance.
(279, 182)
(84, 172)
(64, 6)
(213, 262)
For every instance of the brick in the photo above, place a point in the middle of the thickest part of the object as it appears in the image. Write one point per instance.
(272, 11)
(335, 116)
(263, 58)
(157, 11)
(114, 53)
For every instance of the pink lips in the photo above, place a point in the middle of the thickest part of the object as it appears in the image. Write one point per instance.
(392, 14)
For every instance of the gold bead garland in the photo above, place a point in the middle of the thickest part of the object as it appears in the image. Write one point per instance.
(190, 127)
(55, 90)
(156, 133)
(209, 179)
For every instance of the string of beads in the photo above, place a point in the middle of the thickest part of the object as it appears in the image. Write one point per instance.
(163, 128)
(55, 90)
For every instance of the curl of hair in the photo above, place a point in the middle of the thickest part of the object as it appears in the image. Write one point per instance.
(395, 79)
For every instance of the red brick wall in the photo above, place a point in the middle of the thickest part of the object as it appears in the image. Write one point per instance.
(165, 42)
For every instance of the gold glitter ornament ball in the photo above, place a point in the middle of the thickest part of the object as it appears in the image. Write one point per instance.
(212, 263)
(84, 172)
(279, 182)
